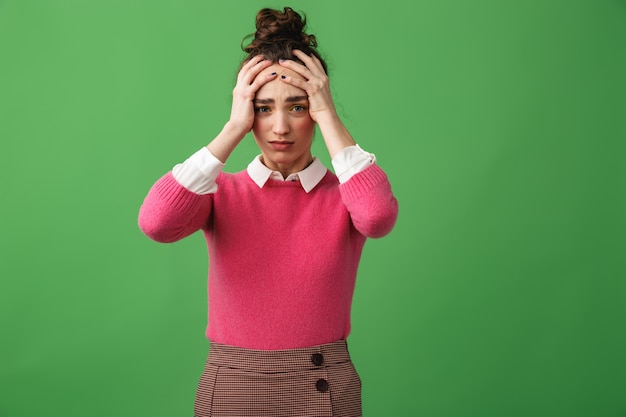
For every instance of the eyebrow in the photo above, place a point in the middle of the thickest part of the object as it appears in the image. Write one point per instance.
(292, 99)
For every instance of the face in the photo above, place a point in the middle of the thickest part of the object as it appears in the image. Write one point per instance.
(283, 128)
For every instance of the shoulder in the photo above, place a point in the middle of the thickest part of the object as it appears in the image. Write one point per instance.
(232, 177)
(329, 180)
(236, 182)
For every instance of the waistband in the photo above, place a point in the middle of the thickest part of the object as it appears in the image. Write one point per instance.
(285, 360)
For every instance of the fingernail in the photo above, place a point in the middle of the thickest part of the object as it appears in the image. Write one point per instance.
(281, 60)
(283, 77)
(273, 73)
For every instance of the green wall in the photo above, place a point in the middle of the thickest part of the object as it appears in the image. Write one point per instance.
(502, 126)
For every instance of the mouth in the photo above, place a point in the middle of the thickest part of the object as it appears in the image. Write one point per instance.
(281, 145)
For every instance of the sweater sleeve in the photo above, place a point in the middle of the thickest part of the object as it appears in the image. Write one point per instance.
(369, 199)
(170, 212)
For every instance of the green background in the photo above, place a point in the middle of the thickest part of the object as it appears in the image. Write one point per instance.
(501, 124)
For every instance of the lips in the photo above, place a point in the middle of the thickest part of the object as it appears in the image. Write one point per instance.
(281, 145)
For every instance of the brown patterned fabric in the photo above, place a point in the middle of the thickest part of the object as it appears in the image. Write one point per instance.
(316, 381)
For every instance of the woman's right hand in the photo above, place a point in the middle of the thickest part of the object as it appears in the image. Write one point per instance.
(242, 111)
(248, 83)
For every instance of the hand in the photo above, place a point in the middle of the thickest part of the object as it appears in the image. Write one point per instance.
(315, 83)
(321, 105)
(242, 110)
(248, 83)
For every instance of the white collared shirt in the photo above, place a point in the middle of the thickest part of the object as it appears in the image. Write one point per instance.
(199, 172)
(309, 177)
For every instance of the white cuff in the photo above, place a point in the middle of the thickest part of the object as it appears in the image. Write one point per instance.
(351, 160)
(199, 172)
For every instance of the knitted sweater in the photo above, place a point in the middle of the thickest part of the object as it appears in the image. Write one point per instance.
(282, 262)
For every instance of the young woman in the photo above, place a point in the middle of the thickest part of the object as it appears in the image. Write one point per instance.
(284, 236)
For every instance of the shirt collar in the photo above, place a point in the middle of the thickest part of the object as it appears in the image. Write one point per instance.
(309, 177)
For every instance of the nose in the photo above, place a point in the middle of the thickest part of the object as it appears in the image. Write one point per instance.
(281, 124)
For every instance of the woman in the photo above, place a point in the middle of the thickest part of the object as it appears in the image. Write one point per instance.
(284, 236)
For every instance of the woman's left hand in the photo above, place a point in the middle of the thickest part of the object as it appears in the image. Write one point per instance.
(315, 83)
(321, 105)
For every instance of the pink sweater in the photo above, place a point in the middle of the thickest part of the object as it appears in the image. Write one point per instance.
(282, 262)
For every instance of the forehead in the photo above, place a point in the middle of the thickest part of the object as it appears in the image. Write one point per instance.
(277, 89)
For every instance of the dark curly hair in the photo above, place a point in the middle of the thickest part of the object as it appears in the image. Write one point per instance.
(278, 34)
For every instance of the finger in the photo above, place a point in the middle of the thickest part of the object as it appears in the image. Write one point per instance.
(252, 68)
(297, 67)
(250, 63)
(296, 82)
(311, 61)
(260, 81)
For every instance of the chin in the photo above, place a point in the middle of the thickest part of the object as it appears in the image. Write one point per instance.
(281, 158)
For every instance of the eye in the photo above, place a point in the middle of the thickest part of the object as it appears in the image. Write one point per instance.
(298, 108)
(262, 109)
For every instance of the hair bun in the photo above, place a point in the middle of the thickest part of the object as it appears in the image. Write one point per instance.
(278, 33)
(273, 26)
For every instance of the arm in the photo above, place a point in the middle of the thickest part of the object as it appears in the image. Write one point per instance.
(171, 212)
(180, 202)
(369, 199)
(364, 187)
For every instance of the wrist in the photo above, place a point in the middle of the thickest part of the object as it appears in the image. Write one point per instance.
(336, 135)
(234, 130)
(226, 141)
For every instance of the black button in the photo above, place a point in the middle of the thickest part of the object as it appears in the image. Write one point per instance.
(322, 385)
(317, 359)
